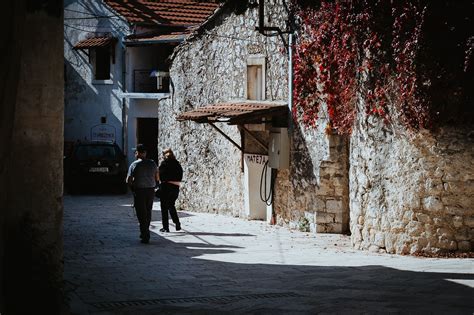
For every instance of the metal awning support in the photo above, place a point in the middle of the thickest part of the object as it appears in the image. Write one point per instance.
(226, 136)
(254, 137)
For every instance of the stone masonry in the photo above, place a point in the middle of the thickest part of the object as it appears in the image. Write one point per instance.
(210, 68)
(31, 158)
(412, 193)
(393, 191)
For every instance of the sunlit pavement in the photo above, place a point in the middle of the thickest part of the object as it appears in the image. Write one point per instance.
(220, 264)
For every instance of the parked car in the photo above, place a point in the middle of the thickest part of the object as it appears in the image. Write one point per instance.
(96, 164)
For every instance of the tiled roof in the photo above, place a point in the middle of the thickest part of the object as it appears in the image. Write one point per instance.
(95, 42)
(237, 112)
(168, 12)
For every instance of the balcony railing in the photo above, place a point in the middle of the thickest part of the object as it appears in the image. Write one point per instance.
(151, 81)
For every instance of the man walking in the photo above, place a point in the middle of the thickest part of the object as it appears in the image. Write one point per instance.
(142, 176)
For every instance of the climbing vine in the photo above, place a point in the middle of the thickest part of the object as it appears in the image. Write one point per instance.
(361, 50)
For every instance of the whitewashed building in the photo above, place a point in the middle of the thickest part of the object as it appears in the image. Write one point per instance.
(115, 56)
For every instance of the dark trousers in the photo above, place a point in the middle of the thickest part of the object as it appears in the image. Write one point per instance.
(168, 195)
(143, 199)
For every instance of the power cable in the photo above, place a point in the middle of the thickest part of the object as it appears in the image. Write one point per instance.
(94, 28)
(92, 17)
(265, 196)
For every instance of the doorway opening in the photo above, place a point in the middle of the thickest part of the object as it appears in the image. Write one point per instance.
(147, 134)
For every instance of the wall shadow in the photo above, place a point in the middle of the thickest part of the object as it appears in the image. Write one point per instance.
(108, 270)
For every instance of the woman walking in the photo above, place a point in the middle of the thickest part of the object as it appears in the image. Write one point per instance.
(170, 176)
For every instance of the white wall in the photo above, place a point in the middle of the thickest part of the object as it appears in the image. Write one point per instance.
(87, 101)
(138, 109)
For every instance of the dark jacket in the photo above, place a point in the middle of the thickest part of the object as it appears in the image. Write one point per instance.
(170, 170)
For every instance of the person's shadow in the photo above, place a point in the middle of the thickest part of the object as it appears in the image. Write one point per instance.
(108, 270)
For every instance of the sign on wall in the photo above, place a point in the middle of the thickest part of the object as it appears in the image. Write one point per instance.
(103, 132)
(254, 185)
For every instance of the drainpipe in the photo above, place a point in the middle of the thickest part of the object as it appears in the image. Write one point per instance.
(124, 103)
(290, 83)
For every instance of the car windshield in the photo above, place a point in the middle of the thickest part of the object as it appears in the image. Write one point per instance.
(95, 151)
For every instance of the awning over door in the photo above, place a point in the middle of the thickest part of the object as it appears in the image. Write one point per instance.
(95, 42)
(238, 112)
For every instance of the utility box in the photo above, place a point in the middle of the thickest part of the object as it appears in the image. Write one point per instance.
(279, 149)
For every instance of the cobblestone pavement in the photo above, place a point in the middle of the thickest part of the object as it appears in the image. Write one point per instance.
(219, 264)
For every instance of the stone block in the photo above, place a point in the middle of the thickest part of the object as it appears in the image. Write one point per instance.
(415, 228)
(324, 217)
(334, 206)
(452, 176)
(421, 217)
(379, 239)
(356, 236)
(433, 186)
(458, 187)
(318, 204)
(422, 242)
(326, 189)
(469, 221)
(432, 203)
(374, 248)
(447, 244)
(457, 221)
(464, 201)
(444, 232)
(397, 227)
(408, 216)
(338, 217)
(372, 212)
(410, 200)
(462, 234)
(321, 228)
(389, 241)
(464, 246)
(355, 208)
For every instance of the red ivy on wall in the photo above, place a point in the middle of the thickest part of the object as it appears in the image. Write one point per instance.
(360, 50)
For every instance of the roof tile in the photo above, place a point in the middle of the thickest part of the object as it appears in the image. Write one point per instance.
(235, 112)
(95, 42)
(168, 12)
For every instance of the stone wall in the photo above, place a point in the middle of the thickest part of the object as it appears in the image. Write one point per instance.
(411, 192)
(211, 68)
(406, 192)
(313, 194)
(31, 158)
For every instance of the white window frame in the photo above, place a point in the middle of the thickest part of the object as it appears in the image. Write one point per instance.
(257, 60)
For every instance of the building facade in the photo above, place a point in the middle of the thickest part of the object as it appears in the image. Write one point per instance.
(116, 67)
(94, 61)
(225, 110)
(392, 191)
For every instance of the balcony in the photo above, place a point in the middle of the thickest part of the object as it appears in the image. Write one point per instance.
(149, 84)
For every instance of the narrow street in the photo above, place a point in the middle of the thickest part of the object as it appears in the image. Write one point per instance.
(219, 264)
